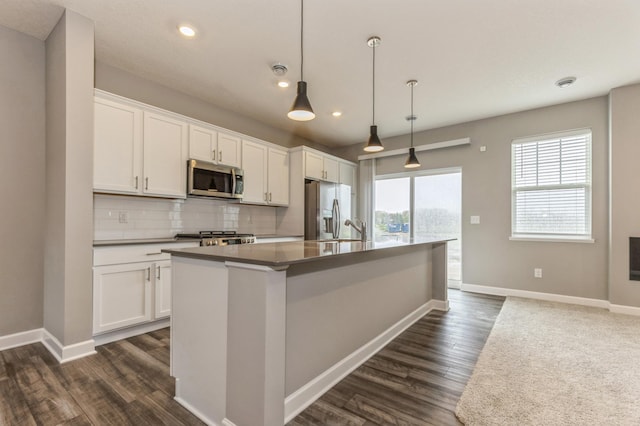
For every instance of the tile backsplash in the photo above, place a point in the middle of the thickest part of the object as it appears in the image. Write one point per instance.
(117, 217)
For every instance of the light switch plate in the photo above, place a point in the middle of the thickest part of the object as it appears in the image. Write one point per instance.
(483, 148)
(475, 220)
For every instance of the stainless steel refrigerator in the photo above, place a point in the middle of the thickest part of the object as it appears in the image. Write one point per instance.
(327, 206)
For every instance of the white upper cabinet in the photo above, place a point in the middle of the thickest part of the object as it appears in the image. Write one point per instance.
(254, 164)
(314, 165)
(278, 177)
(208, 144)
(266, 174)
(117, 154)
(348, 175)
(137, 151)
(165, 156)
(229, 149)
(331, 169)
(203, 143)
(320, 166)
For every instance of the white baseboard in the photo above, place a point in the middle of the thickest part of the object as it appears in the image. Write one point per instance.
(550, 297)
(308, 393)
(227, 422)
(622, 309)
(439, 305)
(454, 284)
(70, 352)
(199, 415)
(20, 339)
(124, 333)
(61, 353)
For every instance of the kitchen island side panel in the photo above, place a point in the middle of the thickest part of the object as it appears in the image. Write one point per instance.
(333, 312)
(199, 310)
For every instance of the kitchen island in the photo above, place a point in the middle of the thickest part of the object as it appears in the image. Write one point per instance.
(259, 331)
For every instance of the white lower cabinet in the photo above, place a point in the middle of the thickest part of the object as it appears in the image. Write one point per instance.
(121, 296)
(162, 289)
(131, 285)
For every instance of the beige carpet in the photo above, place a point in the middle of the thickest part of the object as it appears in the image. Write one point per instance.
(556, 364)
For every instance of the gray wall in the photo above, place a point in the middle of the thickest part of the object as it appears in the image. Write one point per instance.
(22, 160)
(125, 84)
(488, 257)
(327, 316)
(624, 184)
(69, 177)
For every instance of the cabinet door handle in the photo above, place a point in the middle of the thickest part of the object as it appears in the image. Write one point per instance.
(146, 183)
(269, 197)
(158, 274)
(219, 155)
(265, 196)
(213, 155)
(154, 254)
(136, 182)
(149, 273)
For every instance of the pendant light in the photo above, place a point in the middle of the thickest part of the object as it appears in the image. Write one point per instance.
(301, 109)
(374, 144)
(412, 161)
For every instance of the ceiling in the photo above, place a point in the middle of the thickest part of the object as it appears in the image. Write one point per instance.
(472, 59)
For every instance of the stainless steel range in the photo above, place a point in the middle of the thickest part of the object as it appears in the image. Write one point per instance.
(219, 238)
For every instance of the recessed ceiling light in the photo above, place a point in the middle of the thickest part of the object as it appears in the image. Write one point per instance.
(283, 84)
(187, 31)
(336, 113)
(565, 82)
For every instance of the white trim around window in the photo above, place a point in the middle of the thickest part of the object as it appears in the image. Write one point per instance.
(551, 187)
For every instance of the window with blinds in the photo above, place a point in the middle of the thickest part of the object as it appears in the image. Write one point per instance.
(551, 186)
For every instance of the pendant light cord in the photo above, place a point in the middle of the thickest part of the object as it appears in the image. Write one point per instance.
(412, 116)
(301, 40)
(373, 118)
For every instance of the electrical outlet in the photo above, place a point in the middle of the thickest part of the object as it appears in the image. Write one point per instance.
(537, 272)
(123, 217)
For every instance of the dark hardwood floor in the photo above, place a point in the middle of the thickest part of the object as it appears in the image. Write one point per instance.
(415, 380)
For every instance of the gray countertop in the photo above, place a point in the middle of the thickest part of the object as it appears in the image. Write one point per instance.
(288, 253)
(103, 243)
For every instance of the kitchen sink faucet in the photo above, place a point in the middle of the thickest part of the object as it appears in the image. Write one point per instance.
(362, 229)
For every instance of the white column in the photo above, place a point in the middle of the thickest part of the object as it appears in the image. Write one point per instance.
(256, 345)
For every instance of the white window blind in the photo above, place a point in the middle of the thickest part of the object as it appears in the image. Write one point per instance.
(551, 186)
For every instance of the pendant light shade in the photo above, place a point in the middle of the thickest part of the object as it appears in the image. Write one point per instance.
(374, 144)
(412, 162)
(301, 109)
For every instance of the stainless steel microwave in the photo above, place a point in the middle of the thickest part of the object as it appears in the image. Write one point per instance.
(212, 180)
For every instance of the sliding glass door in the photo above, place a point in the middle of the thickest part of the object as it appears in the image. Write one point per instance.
(423, 206)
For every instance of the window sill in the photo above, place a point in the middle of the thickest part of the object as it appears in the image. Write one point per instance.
(551, 239)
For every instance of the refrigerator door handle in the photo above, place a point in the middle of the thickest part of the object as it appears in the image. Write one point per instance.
(338, 219)
(335, 214)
